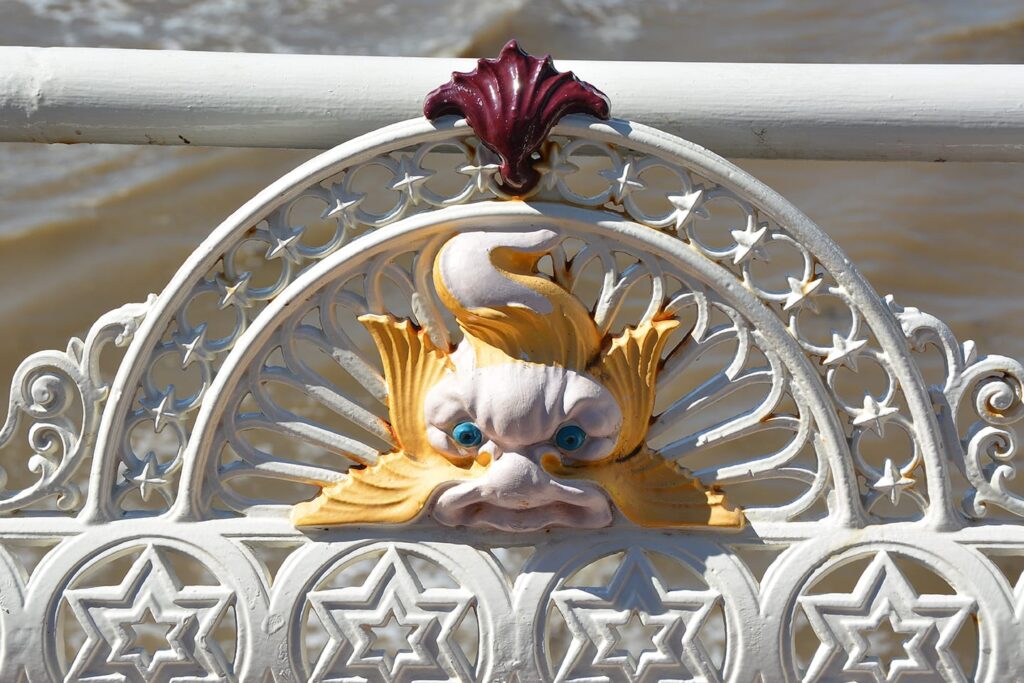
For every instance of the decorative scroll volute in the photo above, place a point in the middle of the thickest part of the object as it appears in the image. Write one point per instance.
(512, 103)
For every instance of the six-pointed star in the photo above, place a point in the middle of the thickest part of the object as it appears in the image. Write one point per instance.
(109, 615)
(635, 597)
(841, 620)
(596, 615)
(391, 593)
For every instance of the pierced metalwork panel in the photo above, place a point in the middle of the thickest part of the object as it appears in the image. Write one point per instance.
(146, 534)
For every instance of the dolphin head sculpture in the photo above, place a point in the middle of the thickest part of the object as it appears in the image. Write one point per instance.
(534, 420)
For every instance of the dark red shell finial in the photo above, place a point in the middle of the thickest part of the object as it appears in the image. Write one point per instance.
(511, 103)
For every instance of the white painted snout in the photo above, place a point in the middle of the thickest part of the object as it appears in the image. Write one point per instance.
(516, 494)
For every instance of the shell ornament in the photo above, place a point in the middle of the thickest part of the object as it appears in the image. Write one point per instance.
(511, 103)
(535, 419)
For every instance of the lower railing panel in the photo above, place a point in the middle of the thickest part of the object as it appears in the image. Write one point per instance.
(238, 599)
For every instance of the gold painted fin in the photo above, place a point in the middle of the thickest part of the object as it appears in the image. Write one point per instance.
(412, 365)
(393, 490)
(629, 369)
(649, 490)
(654, 492)
(399, 484)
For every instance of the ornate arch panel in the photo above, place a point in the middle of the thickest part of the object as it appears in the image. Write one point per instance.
(540, 395)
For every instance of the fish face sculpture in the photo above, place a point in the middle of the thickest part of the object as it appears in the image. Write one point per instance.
(517, 416)
(534, 420)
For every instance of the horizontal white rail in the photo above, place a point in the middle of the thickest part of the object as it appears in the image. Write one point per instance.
(800, 111)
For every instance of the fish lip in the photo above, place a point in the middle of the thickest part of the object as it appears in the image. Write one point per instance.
(470, 505)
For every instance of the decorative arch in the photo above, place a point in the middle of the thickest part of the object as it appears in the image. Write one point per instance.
(212, 271)
(249, 383)
(603, 233)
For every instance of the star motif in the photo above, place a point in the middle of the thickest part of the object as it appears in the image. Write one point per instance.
(687, 206)
(874, 415)
(162, 407)
(624, 179)
(882, 631)
(354, 615)
(635, 637)
(800, 293)
(150, 593)
(596, 617)
(236, 294)
(893, 482)
(554, 165)
(409, 179)
(840, 620)
(386, 634)
(287, 248)
(193, 346)
(147, 476)
(149, 662)
(844, 351)
(749, 242)
(480, 170)
(342, 206)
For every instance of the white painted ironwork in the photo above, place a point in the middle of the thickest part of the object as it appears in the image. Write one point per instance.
(876, 503)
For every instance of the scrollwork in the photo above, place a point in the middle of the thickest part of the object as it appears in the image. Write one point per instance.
(59, 395)
(783, 260)
(993, 386)
(284, 362)
(286, 397)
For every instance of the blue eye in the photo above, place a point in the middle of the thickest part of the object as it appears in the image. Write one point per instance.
(467, 434)
(570, 438)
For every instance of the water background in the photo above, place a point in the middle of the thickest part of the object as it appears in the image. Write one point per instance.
(86, 228)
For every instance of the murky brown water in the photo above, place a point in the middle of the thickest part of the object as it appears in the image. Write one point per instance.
(84, 229)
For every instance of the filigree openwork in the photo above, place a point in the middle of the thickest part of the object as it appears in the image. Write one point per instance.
(337, 428)
(638, 627)
(668, 195)
(883, 596)
(883, 537)
(993, 386)
(151, 625)
(60, 395)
